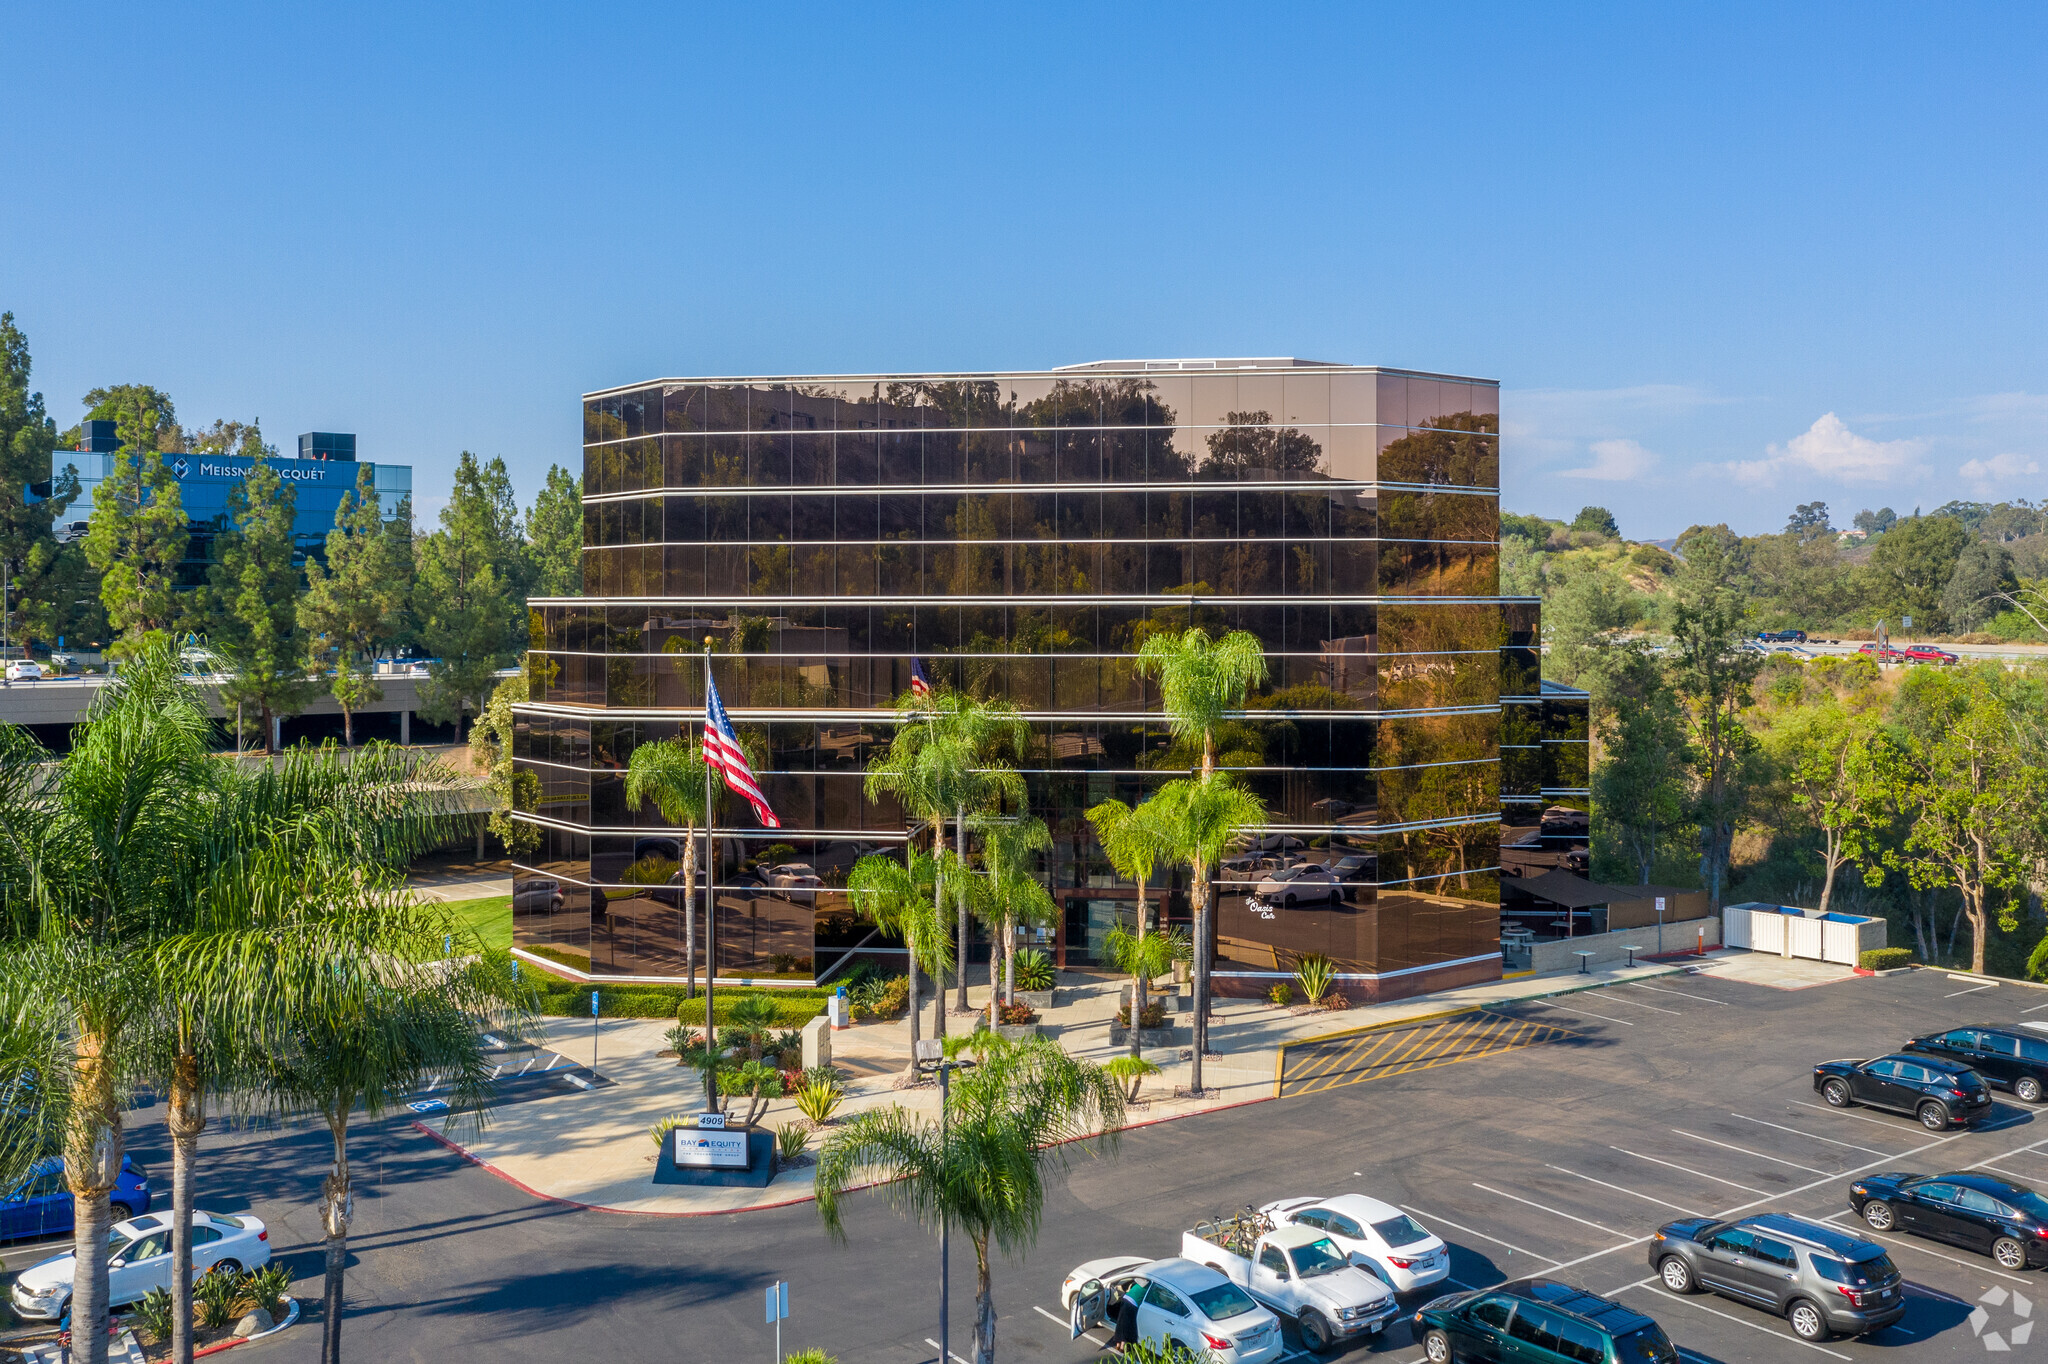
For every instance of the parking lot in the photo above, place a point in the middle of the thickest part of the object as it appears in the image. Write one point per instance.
(1641, 1103)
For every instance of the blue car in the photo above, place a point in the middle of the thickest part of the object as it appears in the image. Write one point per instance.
(41, 1206)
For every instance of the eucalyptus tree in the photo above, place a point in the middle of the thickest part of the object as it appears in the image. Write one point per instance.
(945, 761)
(1203, 682)
(672, 773)
(901, 897)
(982, 1166)
(1202, 819)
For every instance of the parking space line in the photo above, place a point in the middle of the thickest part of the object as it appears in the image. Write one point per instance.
(1651, 1286)
(1638, 985)
(1973, 990)
(2009, 1174)
(1744, 1150)
(1587, 1259)
(1498, 1193)
(1888, 1126)
(2016, 1151)
(1683, 1170)
(1814, 1135)
(1063, 1325)
(2036, 1009)
(1637, 1003)
(1582, 1013)
(1630, 1192)
(1432, 1217)
(950, 1355)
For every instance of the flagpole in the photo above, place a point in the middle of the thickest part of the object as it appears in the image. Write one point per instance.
(710, 895)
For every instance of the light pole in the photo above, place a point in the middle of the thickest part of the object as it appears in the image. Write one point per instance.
(710, 902)
(945, 1069)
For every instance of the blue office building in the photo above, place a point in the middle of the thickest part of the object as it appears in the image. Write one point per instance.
(324, 469)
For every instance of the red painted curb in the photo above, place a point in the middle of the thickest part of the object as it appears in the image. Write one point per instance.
(216, 1349)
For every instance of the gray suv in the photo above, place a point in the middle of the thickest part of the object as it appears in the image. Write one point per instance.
(1820, 1279)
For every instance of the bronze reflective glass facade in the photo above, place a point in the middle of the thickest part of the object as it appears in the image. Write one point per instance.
(1021, 535)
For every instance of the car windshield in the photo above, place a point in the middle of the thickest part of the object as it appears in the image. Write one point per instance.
(1645, 1345)
(1400, 1231)
(1319, 1256)
(1224, 1301)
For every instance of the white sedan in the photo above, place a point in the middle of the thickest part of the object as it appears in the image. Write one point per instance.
(1305, 881)
(1391, 1243)
(1178, 1303)
(139, 1259)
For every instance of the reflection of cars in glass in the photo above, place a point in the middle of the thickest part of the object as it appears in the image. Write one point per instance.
(536, 897)
(1302, 882)
(796, 881)
(1355, 867)
(139, 1259)
(40, 1205)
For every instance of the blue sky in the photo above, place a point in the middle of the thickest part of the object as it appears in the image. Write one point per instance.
(1724, 259)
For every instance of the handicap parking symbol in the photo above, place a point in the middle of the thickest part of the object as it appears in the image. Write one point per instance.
(427, 1105)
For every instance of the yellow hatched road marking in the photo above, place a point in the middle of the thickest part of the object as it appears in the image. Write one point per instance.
(1348, 1060)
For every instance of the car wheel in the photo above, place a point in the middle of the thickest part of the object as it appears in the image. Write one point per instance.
(1676, 1274)
(1836, 1092)
(122, 1212)
(2027, 1089)
(1933, 1117)
(226, 1267)
(2009, 1253)
(1807, 1322)
(1315, 1332)
(1879, 1215)
(1287, 902)
(1436, 1348)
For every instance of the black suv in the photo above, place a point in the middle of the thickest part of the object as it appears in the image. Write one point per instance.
(1820, 1279)
(1940, 1092)
(2011, 1058)
(1539, 1321)
(1996, 1217)
(1782, 636)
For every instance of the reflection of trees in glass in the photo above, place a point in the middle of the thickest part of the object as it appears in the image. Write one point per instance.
(1251, 445)
(1438, 655)
(1460, 449)
(1461, 783)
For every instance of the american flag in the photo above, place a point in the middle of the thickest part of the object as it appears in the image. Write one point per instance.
(723, 752)
(920, 687)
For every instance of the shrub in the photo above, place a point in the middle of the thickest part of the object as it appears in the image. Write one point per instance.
(155, 1312)
(810, 1357)
(1314, 976)
(791, 1141)
(882, 998)
(682, 1037)
(822, 1075)
(1281, 994)
(1885, 958)
(667, 1125)
(1035, 970)
(818, 1100)
(267, 1288)
(1154, 1016)
(1335, 999)
(1130, 1070)
(1016, 1015)
(219, 1295)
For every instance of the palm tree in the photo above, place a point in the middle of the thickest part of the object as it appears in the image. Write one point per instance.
(1202, 819)
(1140, 958)
(393, 1024)
(1005, 893)
(672, 774)
(1134, 844)
(982, 1166)
(1203, 682)
(901, 898)
(943, 764)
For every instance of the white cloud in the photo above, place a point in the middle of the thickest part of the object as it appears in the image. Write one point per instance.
(1615, 461)
(1829, 449)
(1986, 474)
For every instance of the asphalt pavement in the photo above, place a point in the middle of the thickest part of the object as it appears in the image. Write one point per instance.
(1645, 1102)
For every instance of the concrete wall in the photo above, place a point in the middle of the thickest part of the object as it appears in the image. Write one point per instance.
(1606, 948)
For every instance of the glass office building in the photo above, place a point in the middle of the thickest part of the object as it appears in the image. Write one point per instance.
(1020, 535)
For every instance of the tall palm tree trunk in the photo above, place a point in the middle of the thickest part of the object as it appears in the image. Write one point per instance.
(186, 1121)
(910, 946)
(938, 917)
(689, 911)
(1202, 927)
(984, 1306)
(960, 851)
(348, 728)
(337, 1210)
(92, 1162)
(1138, 981)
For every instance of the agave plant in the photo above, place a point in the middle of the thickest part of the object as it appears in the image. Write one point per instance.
(1314, 976)
(1035, 970)
(819, 1100)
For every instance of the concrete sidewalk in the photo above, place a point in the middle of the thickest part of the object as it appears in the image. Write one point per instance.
(595, 1148)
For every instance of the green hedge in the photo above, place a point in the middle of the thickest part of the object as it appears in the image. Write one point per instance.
(569, 999)
(1885, 958)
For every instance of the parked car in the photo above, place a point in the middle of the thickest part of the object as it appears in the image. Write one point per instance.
(1887, 655)
(1299, 1272)
(537, 896)
(139, 1259)
(1927, 653)
(1782, 636)
(1179, 1303)
(1355, 867)
(24, 670)
(40, 1205)
(1302, 882)
(2005, 1057)
(1941, 1093)
(797, 882)
(1539, 1321)
(1390, 1242)
(1996, 1217)
(1821, 1279)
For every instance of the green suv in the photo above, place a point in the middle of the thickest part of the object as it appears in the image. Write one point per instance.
(1538, 1321)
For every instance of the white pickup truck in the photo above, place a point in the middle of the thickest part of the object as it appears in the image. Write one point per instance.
(1298, 1272)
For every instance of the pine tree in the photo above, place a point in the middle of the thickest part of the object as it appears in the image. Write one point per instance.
(137, 536)
(349, 604)
(258, 589)
(554, 536)
(469, 590)
(42, 576)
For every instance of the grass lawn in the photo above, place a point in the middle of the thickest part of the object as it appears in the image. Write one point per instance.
(490, 918)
